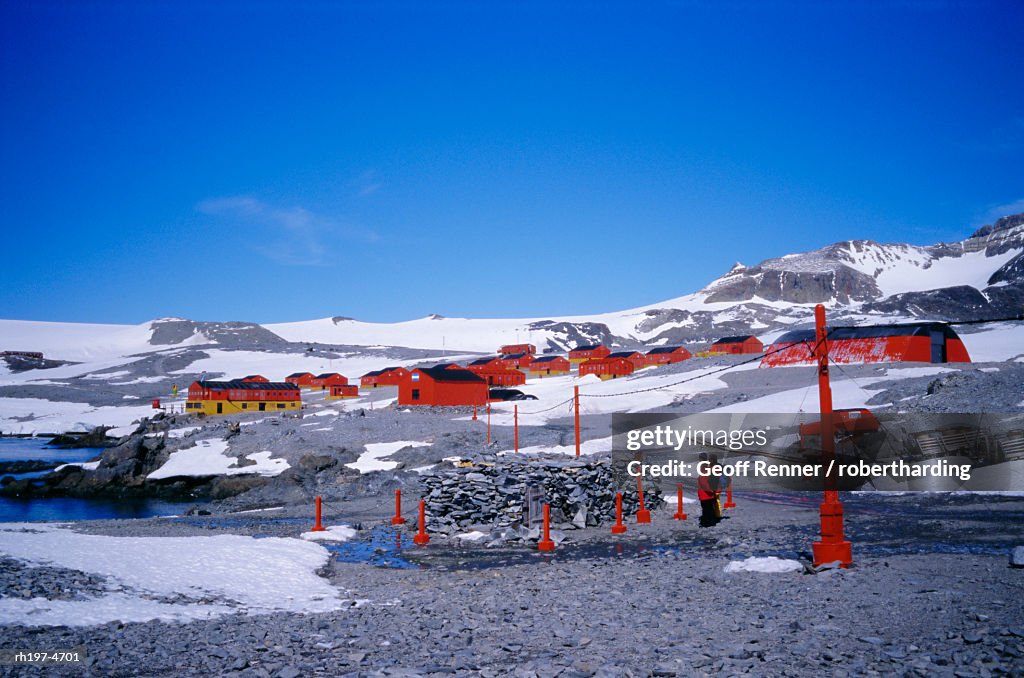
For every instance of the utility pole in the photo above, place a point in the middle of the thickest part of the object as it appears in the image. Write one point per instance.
(832, 546)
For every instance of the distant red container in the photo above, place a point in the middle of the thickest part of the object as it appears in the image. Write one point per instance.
(156, 403)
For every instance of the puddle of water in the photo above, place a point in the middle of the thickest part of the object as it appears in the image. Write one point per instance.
(383, 548)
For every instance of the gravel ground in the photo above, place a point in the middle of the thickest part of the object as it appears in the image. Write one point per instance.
(931, 593)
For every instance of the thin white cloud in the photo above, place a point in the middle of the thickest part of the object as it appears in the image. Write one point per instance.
(999, 211)
(294, 236)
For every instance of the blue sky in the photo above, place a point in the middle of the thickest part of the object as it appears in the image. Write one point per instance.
(384, 160)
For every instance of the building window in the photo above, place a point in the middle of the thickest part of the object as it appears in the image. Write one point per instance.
(280, 406)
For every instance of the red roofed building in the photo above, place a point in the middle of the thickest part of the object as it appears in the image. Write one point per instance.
(328, 379)
(509, 349)
(516, 361)
(638, 359)
(666, 355)
(742, 344)
(256, 378)
(389, 376)
(550, 366)
(433, 386)
(339, 391)
(591, 352)
(608, 368)
(300, 379)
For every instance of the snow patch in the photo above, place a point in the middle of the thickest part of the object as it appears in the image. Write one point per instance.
(769, 564)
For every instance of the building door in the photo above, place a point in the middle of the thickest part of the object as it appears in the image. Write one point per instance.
(415, 394)
(220, 408)
(938, 347)
(263, 407)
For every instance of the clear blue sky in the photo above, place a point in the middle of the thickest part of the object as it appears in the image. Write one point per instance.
(282, 161)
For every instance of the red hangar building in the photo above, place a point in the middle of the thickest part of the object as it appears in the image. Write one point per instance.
(638, 359)
(434, 386)
(911, 342)
(233, 397)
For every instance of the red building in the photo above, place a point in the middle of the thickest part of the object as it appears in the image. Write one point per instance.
(638, 359)
(516, 361)
(231, 397)
(433, 386)
(509, 349)
(483, 362)
(389, 376)
(912, 342)
(746, 343)
(608, 368)
(257, 378)
(550, 366)
(339, 391)
(300, 379)
(666, 355)
(592, 352)
(328, 379)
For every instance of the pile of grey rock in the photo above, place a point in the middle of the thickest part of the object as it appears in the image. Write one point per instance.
(496, 494)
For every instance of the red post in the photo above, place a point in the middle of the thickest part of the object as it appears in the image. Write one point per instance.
(421, 538)
(398, 519)
(318, 527)
(515, 415)
(642, 514)
(729, 503)
(488, 422)
(474, 412)
(576, 410)
(546, 544)
(680, 514)
(618, 527)
(832, 546)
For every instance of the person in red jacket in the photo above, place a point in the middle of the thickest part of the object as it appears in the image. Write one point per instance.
(707, 493)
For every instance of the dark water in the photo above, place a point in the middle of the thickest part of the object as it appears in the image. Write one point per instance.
(68, 508)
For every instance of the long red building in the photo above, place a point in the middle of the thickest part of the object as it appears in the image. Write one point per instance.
(232, 397)
(912, 342)
(667, 355)
(509, 349)
(608, 368)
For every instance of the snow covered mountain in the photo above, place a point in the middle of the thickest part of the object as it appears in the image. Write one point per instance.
(981, 276)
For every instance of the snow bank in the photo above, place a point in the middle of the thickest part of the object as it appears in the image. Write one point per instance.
(371, 459)
(207, 458)
(148, 576)
(27, 416)
(770, 565)
(332, 533)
